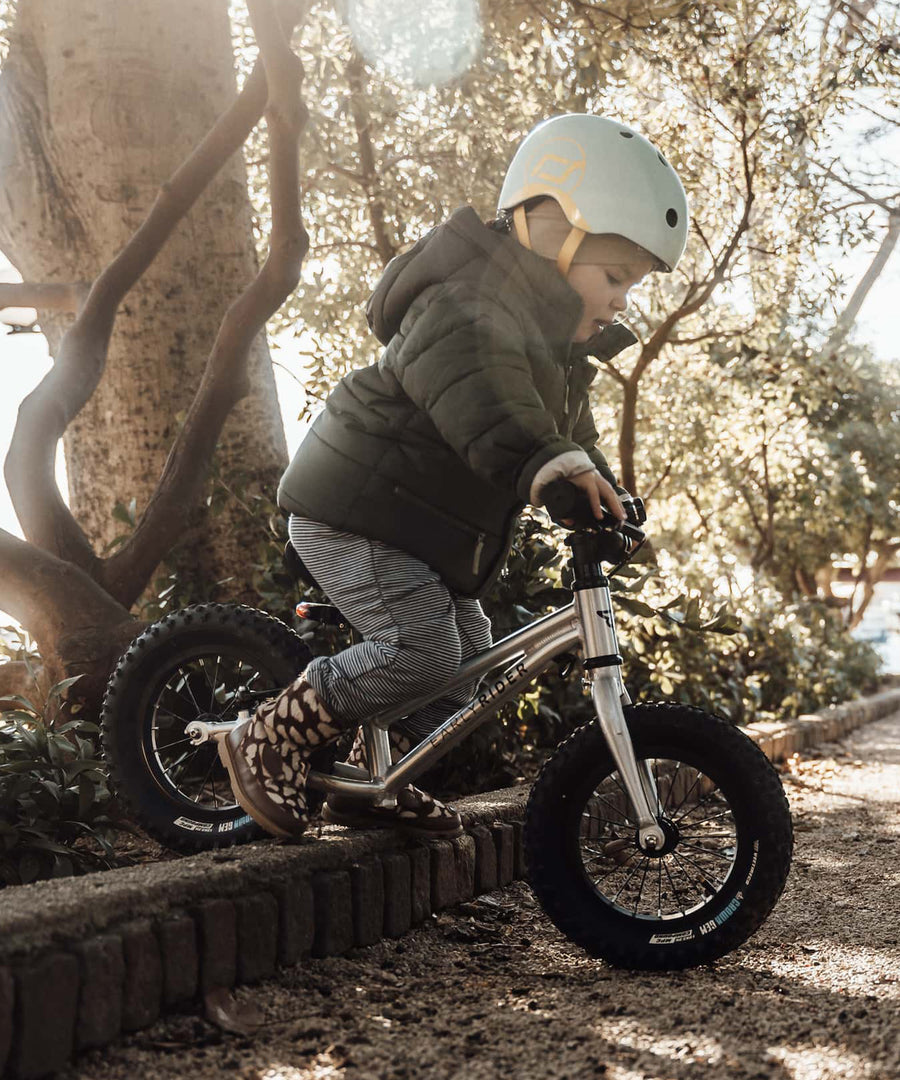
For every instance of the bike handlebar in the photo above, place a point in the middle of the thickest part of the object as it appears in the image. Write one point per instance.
(564, 501)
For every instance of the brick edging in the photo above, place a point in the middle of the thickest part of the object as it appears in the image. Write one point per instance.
(85, 959)
(779, 741)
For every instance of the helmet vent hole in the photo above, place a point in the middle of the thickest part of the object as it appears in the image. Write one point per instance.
(672, 218)
(627, 134)
(662, 160)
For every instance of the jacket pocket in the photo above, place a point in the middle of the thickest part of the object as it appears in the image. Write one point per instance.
(479, 536)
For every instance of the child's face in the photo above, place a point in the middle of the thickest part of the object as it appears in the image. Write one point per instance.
(604, 288)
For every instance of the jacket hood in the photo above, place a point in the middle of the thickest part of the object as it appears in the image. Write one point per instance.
(464, 246)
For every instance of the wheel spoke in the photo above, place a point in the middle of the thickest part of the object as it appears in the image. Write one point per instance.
(182, 762)
(180, 742)
(700, 805)
(614, 868)
(168, 712)
(707, 851)
(612, 806)
(659, 889)
(640, 892)
(176, 692)
(707, 879)
(190, 690)
(633, 871)
(665, 865)
(687, 796)
(700, 883)
(612, 824)
(212, 765)
(693, 824)
(672, 786)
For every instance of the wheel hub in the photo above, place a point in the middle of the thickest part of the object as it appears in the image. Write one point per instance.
(671, 834)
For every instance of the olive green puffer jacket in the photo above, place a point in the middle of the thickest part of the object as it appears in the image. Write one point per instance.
(433, 449)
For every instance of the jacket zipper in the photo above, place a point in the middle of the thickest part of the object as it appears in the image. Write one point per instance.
(570, 419)
(479, 548)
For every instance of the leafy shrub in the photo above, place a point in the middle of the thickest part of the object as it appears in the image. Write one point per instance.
(785, 660)
(54, 796)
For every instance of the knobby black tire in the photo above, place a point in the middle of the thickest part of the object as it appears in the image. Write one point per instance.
(238, 632)
(761, 819)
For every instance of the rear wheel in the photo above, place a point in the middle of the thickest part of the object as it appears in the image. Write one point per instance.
(727, 850)
(189, 667)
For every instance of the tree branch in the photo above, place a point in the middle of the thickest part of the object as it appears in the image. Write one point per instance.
(890, 205)
(848, 316)
(363, 124)
(659, 481)
(48, 297)
(46, 413)
(225, 379)
(28, 571)
(886, 550)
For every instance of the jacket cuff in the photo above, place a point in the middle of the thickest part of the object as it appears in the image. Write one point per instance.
(570, 463)
(553, 447)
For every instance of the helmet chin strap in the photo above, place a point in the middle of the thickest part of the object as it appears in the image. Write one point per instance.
(521, 223)
(566, 253)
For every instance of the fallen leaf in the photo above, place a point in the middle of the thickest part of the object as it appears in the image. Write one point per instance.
(229, 1015)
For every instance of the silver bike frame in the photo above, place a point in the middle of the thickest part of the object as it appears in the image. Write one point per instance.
(515, 661)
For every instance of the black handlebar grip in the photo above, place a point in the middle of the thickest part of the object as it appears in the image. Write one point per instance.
(563, 500)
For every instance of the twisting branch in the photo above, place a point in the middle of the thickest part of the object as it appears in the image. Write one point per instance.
(47, 411)
(849, 315)
(225, 380)
(363, 124)
(64, 297)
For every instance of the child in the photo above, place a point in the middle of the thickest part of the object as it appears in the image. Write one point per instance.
(405, 491)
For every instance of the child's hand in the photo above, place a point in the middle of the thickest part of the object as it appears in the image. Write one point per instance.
(598, 491)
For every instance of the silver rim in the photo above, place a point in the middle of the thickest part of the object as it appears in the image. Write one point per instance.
(200, 687)
(698, 859)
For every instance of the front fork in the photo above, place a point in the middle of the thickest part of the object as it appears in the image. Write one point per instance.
(602, 664)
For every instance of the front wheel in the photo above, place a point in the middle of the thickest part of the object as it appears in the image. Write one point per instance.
(724, 862)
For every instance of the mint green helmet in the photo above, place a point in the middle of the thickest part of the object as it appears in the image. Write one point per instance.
(607, 178)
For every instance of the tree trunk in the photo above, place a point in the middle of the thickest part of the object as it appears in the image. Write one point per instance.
(99, 103)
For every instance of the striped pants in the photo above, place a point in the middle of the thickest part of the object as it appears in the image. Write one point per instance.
(416, 631)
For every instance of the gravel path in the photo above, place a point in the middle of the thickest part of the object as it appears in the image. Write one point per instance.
(492, 990)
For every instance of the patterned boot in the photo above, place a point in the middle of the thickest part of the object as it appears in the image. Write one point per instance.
(416, 812)
(267, 757)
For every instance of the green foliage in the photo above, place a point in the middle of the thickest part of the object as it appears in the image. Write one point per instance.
(785, 660)
(54, 796)
(17, 645)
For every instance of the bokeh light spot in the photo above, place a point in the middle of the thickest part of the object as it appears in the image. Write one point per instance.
(426, 42)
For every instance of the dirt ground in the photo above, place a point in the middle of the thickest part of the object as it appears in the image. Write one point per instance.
(493, 990)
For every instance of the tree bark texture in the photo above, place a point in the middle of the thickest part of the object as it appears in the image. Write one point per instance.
(99, 103)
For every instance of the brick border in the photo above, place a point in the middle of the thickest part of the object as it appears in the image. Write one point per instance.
(84, 959)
